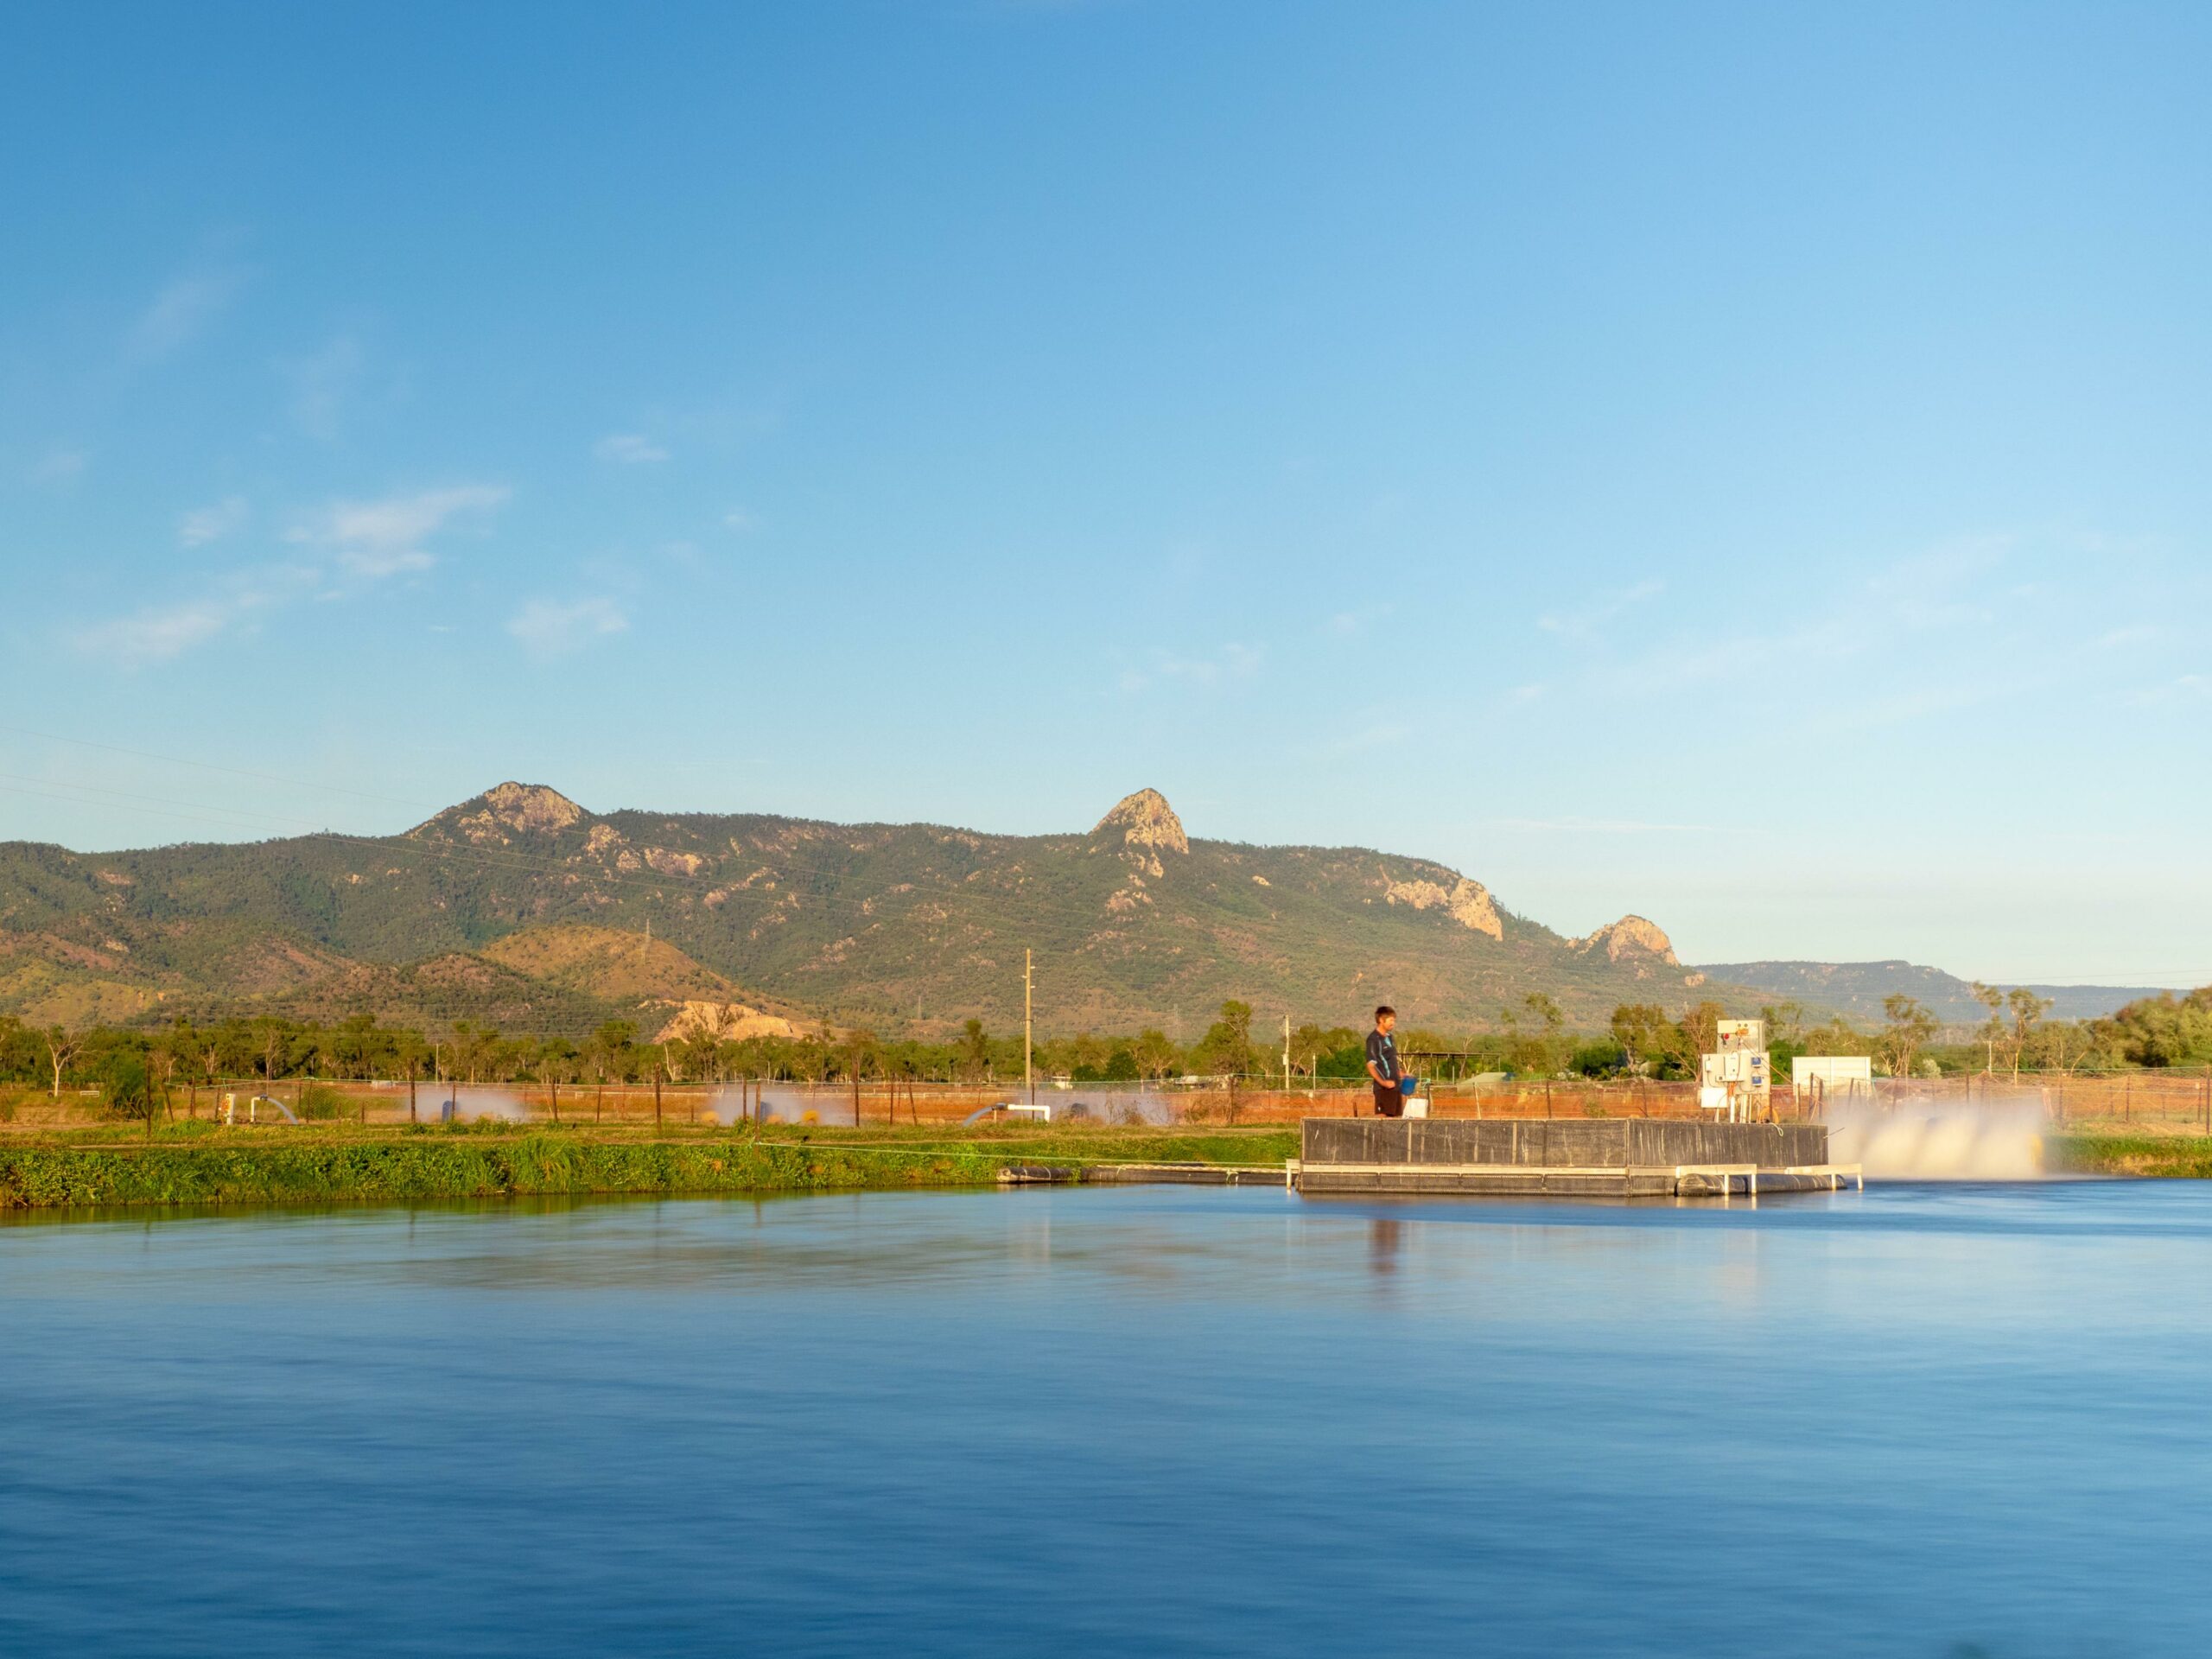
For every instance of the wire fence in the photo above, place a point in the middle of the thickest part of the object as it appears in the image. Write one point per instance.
(2162, 1101)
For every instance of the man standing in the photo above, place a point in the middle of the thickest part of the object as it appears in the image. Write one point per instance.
(1383, 1063)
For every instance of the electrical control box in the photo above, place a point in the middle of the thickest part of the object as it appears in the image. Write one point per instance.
(1735, 1078)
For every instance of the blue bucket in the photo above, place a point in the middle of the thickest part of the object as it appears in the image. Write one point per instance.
(1408, 1086)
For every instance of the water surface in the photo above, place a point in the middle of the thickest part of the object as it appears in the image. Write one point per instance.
(1940, 1421)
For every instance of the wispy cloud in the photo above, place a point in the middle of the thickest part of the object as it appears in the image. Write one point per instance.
(628, 449)
(1918, 701)
(152, 634)
(1350, 625)
(1602, 607)
(549, 628)
(738, 520)
(321, 382)
(1609, 827)
(1944, 589)
(2183, 688)
(1370, 736)
(155, 634)
(362, 543)
(386, 538)
(204, 524)
(1232, 662)
(2121, 638)
(185, 306)
(59, 464)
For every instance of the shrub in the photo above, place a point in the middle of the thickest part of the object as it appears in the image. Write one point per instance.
(127, 1090)
(320, 1103)
(1349, 1061)
(1596, 1059)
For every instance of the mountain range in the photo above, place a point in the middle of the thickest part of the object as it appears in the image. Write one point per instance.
(1856, 989)
(523, 909)
(903, 926)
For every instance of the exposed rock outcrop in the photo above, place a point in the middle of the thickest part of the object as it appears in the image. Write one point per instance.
(1145, 819)
(1142, 924)
(1467, 903)
(1632, 937)
(504, 811)
(729, 1022)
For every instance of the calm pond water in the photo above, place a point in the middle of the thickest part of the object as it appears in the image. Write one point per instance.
(1949, 1421)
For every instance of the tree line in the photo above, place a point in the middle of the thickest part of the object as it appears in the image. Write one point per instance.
(1531, 1040)
(2015, 1036)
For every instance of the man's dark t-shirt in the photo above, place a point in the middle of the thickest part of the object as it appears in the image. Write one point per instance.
(1382, 1055)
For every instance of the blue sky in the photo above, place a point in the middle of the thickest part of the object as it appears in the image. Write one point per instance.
(1744, 465)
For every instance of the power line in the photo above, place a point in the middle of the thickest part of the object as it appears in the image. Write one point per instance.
(206, 765)
(164, 807)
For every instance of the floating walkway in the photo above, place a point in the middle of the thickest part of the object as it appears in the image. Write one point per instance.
(1142, 1175)
(1601, 1158)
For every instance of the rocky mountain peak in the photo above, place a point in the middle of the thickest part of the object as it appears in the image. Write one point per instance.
(505, 810)
(530, 806)
(1145, 819)
(1631, 935)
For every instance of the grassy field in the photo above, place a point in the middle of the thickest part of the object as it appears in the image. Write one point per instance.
(200, 1164)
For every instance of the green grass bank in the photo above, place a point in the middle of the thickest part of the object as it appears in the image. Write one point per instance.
(197, 1164)
(2186, 1157)
(312, 1164)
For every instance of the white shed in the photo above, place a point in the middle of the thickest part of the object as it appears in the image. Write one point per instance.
(1824, 1076)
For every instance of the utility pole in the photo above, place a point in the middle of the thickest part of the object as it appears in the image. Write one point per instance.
(1286, 1053)
(1028, 1078)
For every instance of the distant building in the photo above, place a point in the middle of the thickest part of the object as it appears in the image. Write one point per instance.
(1824, 1076)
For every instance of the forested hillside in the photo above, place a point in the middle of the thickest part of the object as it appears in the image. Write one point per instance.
(1858, 989)
(912, 926)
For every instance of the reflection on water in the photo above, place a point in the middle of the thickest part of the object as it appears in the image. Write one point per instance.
(1927, 1421)
(1382, 1243)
